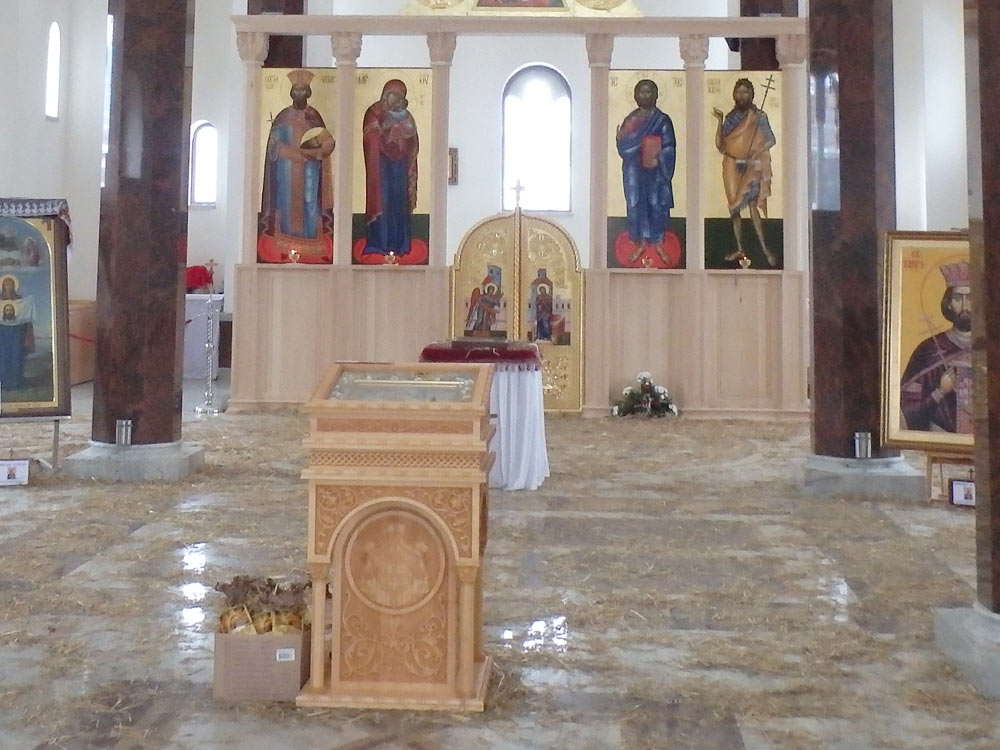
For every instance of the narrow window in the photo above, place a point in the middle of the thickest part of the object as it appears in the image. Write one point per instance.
(536, 140)
(106, 133)
(204, 164)
(52, 73)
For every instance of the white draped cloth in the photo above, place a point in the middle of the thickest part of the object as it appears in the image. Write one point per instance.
(522, 462)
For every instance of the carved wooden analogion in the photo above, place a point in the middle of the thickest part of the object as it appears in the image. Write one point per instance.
(398, 465)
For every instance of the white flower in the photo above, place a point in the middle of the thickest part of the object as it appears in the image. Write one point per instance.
(643, 377)
(614, 410)
(660, 391)
(628, 390)
(673, 408)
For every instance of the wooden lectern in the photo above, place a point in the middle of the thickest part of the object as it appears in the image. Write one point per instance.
(398, 465)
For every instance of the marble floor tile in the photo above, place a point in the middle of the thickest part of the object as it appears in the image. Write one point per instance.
(667, 587)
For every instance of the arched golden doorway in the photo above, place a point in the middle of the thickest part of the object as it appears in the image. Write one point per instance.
(517, 277)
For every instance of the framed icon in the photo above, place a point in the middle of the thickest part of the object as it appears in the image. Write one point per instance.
(927, 342)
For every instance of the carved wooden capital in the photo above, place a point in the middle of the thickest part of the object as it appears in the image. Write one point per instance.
(792, 49)
(442, 47)
(252, 45)
(467, 573)
(346, 46)
(599, 49)
(694, 49)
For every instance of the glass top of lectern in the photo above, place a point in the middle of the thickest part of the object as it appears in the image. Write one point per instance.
(403, 385)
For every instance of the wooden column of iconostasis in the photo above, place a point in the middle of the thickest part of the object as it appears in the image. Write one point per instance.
(518, 277)
(640, 145)
(390, 200)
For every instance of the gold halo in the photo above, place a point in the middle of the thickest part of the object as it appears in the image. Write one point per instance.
(17, 281)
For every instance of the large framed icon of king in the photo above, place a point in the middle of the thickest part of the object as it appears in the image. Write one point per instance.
(927, 343)
(34, 311)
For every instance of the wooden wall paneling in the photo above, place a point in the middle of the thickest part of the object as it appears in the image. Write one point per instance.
(741, 323)
(794, 342)
(646, 329)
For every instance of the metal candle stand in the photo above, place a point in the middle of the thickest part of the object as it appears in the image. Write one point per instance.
(208, 409)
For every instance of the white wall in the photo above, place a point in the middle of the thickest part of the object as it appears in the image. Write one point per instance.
(929, 68)
(944, 109)
(10, 70)
(60, 158)
(216, 86)
(85, 110)
(38, 150)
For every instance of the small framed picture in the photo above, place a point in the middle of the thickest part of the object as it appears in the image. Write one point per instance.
(14, 471)
(452, 165)
(962, 492)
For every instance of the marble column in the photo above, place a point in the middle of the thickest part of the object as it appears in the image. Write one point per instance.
(245, 172)
(694, 52)
(794, 126)
(599, 49)
(319, 577)
(791, 52)
(252, 48)
(140, 275)
(346, 47)
(597, 313)
(441, 46)
(851, 41)
(970, 637)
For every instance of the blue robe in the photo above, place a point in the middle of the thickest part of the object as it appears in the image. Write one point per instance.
(649, 193)
(11, 357)
(390, 230)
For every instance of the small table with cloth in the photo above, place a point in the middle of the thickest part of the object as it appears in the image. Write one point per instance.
(516, 405)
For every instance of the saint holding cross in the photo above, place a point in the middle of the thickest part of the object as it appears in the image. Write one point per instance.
(744, 138)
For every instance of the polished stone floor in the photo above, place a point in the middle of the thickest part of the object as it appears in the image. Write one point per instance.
(667, 587)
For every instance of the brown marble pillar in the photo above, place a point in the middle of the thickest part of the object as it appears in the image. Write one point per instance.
(283, 51)
(984, 226)
(851, 48)
(140, 290)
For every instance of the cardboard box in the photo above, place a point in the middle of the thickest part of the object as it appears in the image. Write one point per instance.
(268, 667)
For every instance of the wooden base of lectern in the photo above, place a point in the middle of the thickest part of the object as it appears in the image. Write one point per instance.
(323, 698)
(398, 466)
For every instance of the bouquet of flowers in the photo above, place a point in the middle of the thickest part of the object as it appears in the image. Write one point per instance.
(649, 399)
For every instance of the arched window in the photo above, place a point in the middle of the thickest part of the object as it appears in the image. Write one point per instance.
(203, 184)
(52, 72)
(536, 139)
